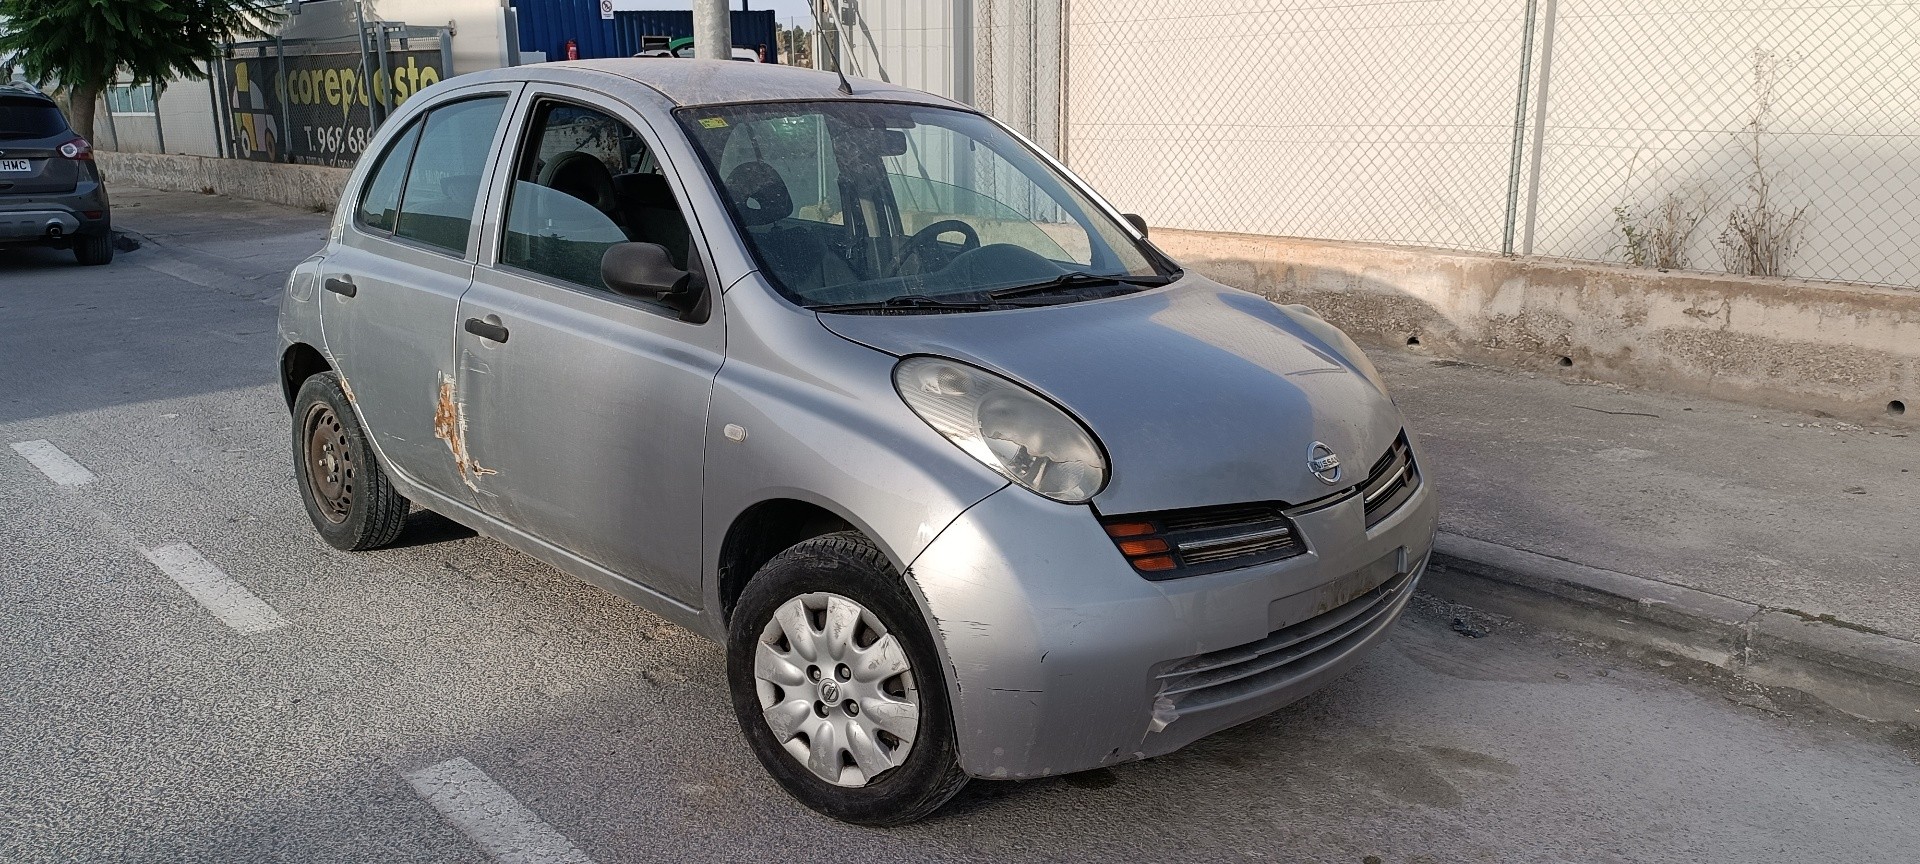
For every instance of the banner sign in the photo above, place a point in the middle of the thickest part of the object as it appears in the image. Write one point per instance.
(318, 109)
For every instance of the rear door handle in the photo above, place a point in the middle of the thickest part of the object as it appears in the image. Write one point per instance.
(342, 285)
(487, 330)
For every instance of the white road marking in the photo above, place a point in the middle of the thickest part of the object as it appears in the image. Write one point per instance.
(228, 600)
(58, 466)
(510, 833)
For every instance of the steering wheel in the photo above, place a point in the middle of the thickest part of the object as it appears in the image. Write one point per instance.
(924, 238)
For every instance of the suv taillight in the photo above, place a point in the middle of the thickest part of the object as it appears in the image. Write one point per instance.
(77, 149)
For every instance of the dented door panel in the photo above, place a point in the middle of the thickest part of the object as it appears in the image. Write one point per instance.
(390, 341)
(586, 428)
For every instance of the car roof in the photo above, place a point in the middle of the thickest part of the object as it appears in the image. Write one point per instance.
(711, 82)
(19, 89)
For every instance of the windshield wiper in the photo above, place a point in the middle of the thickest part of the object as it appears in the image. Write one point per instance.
(1077, 279)
(909, 301)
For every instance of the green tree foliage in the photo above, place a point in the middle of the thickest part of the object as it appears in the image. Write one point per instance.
(86, 44)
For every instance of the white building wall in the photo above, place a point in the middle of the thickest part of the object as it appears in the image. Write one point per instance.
(479, 40)
(921, 45)
(1394, 122)
(1382, 122)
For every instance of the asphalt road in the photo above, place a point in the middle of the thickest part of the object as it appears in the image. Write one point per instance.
(451, 700)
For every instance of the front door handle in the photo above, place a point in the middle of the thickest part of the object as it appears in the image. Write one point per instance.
(487, 329)
(342, 285)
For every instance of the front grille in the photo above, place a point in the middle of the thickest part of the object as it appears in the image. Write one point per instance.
(1392, 480)
(1179, 543)
(1285, 654)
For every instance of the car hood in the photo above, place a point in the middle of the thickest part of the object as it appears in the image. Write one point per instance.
(1201, 394)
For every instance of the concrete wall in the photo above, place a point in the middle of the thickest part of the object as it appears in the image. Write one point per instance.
(312, 187)
(1846, 350)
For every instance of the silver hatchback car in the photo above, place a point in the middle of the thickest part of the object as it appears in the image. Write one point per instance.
(969, 478)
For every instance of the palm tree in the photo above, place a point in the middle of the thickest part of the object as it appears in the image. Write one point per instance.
(86, 44)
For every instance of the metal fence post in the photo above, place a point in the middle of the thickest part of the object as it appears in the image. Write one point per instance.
(1539, 123)
(1519, 131)
(280, 92)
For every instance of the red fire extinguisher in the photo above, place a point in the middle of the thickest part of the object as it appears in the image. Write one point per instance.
(573, 50)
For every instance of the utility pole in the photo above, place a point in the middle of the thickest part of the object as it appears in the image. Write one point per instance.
(712, 30)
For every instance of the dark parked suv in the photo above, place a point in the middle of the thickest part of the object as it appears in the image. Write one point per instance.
(50, 190)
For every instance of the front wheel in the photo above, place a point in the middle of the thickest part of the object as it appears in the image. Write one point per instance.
(838, 688)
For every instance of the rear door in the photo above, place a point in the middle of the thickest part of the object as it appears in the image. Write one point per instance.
(393, 284)
(588, 409)
(31, 132)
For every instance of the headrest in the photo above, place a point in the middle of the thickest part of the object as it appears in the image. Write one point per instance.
(645, 189)
(759, 194)
(581, 175)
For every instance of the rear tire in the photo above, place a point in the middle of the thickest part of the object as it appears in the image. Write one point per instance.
(348, 496)
(910, 777)
(93, 250)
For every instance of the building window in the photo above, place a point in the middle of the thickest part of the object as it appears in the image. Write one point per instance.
(130, 98)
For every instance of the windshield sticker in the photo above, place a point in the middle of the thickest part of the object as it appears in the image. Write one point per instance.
(713, 122)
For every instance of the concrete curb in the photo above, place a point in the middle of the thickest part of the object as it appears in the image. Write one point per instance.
(1863, 673)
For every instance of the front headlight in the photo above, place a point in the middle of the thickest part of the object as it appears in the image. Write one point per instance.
(1006, 426)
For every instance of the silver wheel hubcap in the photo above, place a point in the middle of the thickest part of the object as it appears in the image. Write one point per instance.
(836, 688)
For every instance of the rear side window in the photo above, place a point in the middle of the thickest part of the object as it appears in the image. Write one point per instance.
(380, 200)
(444, 178)
(29, 118)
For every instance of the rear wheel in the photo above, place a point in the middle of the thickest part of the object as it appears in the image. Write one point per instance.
(838, 688)
(93, 250)
(348, 497)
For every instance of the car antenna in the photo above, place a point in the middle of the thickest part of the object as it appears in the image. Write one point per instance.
(846, 89)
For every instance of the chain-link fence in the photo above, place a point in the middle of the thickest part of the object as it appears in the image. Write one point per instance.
(1769, 137)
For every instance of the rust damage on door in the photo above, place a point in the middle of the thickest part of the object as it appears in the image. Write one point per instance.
(450, 425)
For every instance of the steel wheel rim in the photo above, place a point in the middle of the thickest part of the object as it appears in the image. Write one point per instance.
(329, 461)
(836, 689)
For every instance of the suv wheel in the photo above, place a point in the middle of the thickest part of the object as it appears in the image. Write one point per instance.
(348, 497)
(838, 688)
(93, 250)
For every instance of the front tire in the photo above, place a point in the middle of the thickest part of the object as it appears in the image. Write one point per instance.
(838, 688)
(348, 496)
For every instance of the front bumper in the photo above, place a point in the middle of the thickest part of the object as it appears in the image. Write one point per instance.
(1061, 658)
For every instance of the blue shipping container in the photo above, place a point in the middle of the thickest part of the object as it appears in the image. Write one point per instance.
(546, 25)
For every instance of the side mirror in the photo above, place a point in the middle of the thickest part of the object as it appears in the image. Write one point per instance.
(645, 271)
(1138, 223)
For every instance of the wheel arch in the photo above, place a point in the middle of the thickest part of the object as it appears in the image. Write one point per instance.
(299, 362)
(765, 529)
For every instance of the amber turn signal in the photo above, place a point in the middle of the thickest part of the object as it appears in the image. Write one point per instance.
(1148, 546)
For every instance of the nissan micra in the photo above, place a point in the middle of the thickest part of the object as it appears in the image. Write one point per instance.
(969, 479)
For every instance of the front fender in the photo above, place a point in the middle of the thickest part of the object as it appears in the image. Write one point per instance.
(799, 413)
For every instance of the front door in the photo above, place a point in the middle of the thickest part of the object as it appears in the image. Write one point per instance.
(393, 282)
(586, 411)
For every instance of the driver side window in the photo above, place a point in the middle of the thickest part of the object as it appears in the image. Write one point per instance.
(585, 181)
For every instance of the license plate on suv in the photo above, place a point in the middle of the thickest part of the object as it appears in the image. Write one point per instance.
(15, 166)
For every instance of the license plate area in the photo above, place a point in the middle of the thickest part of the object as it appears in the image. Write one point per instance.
(16, 166)
(1328, 596)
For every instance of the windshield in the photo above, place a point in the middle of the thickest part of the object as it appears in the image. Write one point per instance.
(851, 203)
